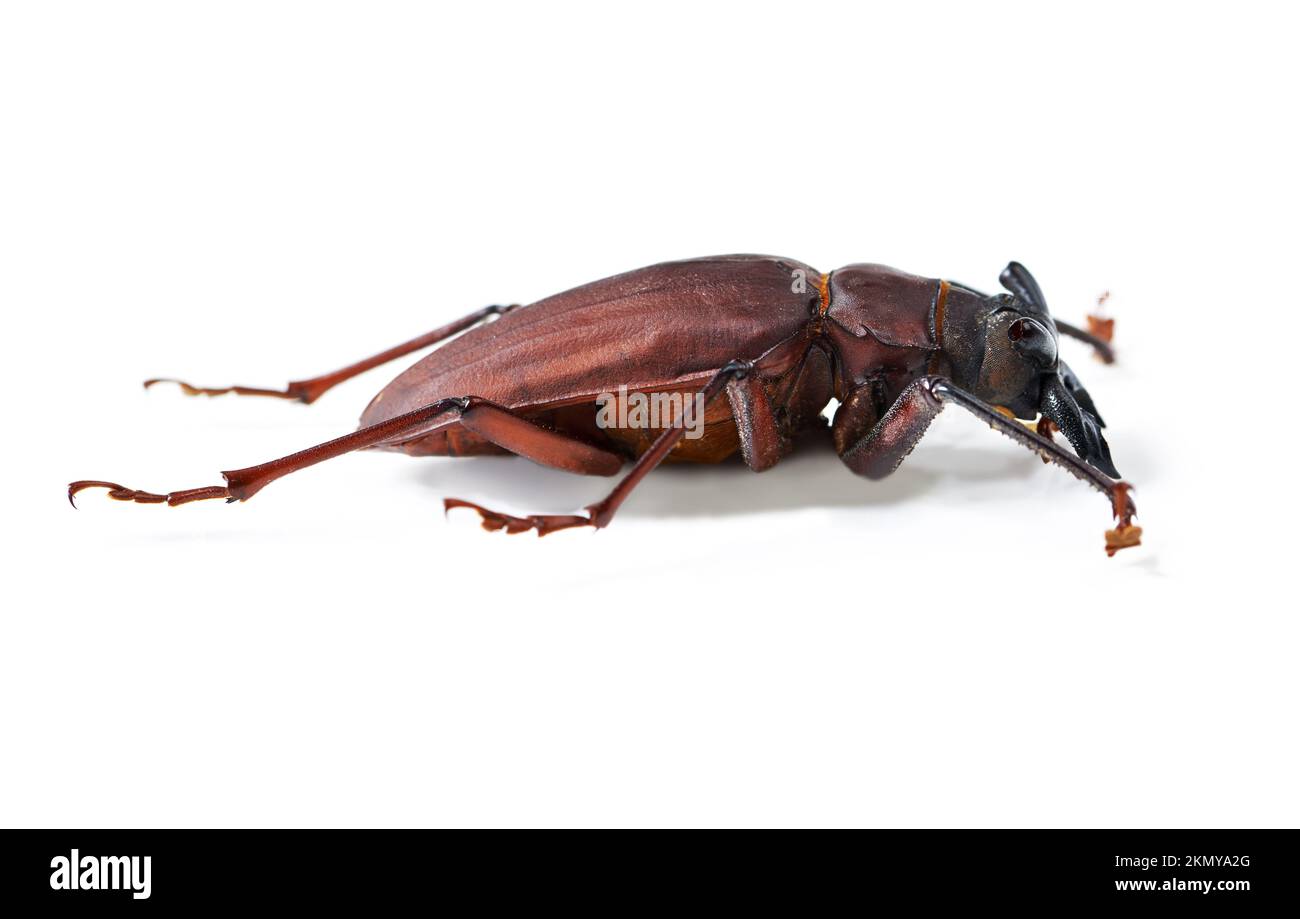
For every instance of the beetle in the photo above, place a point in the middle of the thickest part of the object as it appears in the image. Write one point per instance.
(764, 344)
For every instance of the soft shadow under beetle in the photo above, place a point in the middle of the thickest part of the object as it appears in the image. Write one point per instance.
(775, 339)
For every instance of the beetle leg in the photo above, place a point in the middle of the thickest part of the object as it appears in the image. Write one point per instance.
(1125, 535)
(545, 447)
(242, 484)
(309, 391)
(761, 443)
(599, 514)
(499, 425)
(1100, 346)
(879, 451)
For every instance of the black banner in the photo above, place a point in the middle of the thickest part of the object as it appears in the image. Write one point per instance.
(1226, 872)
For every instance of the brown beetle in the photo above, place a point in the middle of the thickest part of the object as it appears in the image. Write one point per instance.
(778, 338)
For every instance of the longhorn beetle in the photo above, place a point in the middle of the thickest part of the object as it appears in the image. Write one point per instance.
(764, 342)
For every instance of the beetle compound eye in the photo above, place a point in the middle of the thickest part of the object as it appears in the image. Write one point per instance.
(1033, 341)
(1027, 330)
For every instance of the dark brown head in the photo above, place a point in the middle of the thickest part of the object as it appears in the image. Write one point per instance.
(1004, 350)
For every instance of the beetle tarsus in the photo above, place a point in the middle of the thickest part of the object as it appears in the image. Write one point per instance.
(171, 499)
(1125, 535)
(544, 524)
(1101, 327)
(299, 391)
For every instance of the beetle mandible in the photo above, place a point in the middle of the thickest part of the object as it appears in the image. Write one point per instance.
(765, 343)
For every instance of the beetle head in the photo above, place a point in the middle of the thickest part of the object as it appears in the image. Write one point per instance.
(1013, 363)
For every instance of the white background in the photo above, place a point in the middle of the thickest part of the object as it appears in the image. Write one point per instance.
(260, 192)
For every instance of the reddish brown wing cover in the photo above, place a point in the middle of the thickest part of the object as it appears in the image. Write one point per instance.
(644, 328)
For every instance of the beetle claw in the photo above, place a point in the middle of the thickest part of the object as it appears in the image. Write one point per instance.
(493, 521)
